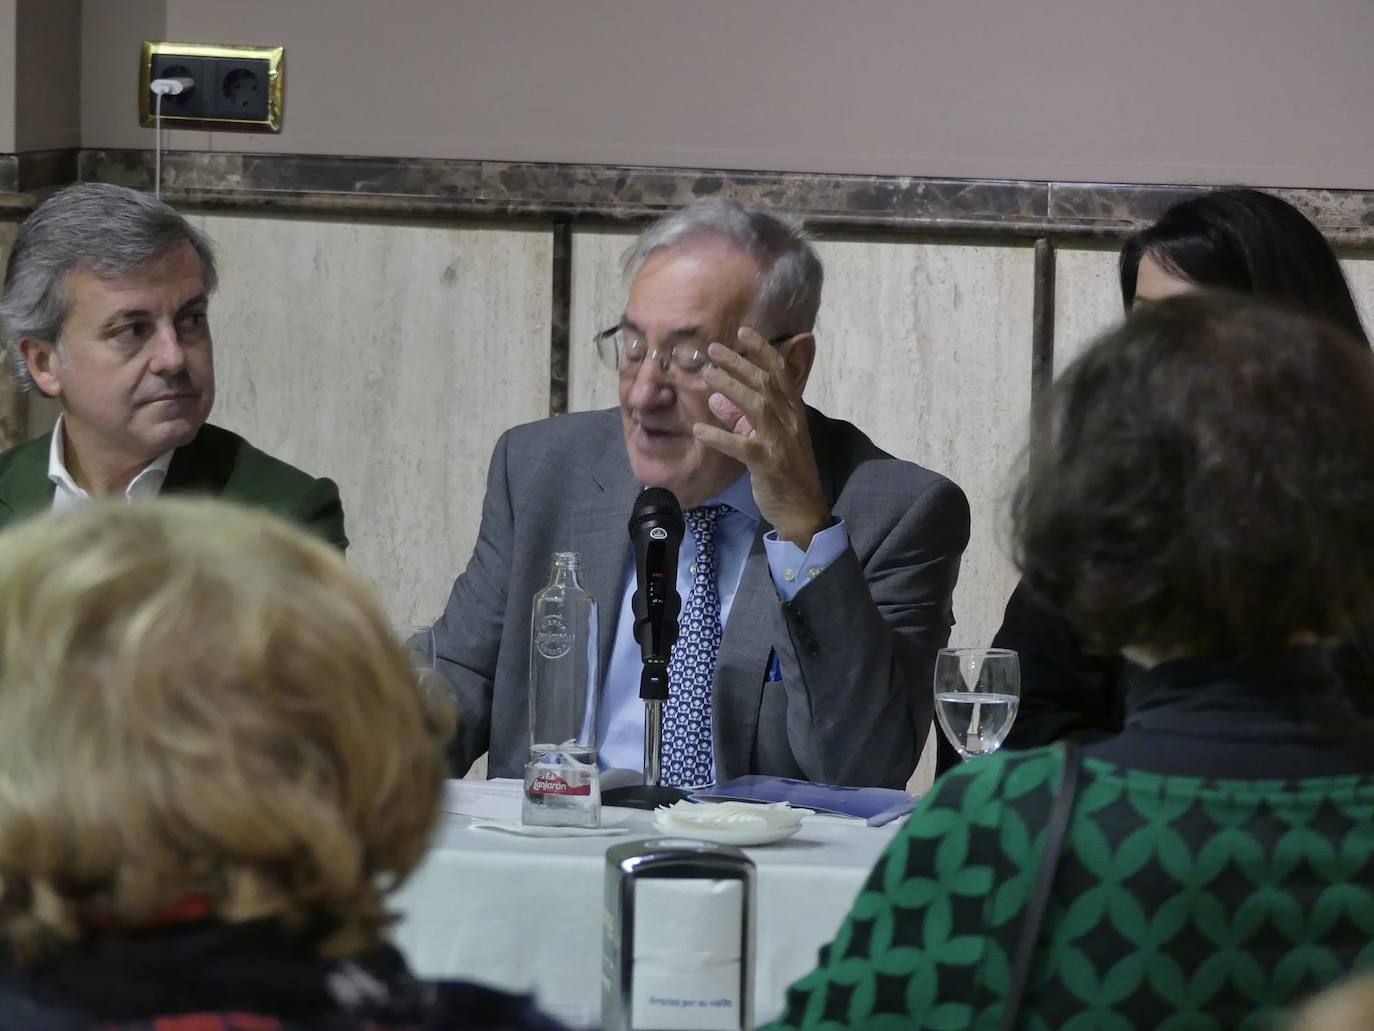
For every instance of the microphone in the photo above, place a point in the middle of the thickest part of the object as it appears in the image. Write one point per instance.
(656, 529)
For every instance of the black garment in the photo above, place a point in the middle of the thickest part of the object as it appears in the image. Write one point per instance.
(1065, 692)
(221, 972)
(1242, 720)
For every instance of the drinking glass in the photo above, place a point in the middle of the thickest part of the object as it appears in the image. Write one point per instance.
(977, 693)
(419, 645)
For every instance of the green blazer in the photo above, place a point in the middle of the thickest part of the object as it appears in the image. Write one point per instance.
(217, 463)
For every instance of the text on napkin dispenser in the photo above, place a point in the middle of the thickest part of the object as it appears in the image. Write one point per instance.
(679, 933)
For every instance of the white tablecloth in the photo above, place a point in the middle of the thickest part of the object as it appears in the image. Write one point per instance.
(525, 914)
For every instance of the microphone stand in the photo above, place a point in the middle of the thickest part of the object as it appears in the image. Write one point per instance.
(656, 528)
(653, 688)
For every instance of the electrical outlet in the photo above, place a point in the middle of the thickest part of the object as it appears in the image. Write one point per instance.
(241, 89)
(237, 88)
(190, 104)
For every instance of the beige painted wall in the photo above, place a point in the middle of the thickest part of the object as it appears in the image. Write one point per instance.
(112, 33)
(1256, 91)
(9, 18)
(47, 104)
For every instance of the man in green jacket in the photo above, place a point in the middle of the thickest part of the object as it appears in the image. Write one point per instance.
(104, 307)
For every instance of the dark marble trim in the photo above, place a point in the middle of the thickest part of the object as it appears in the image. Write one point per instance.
(591, 192)
(427, 188)
(1340, 213)
(38, 170)
(560, 318)
(636, 189)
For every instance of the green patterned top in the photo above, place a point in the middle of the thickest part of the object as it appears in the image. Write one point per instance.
(1180, 902)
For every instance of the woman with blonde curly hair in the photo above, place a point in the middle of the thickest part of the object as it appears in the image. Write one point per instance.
(215, 765)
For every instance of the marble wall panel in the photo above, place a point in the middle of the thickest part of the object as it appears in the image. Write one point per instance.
(598, 298)
(389, 357)
(13, 405)
(1359, 271)
(926, 346)
(1087, 299)
(8, 231)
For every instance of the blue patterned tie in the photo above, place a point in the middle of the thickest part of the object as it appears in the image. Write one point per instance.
(687, 716)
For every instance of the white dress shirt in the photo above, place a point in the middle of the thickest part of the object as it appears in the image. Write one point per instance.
(66, 493)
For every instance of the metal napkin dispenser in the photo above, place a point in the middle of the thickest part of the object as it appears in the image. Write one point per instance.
(678, 937)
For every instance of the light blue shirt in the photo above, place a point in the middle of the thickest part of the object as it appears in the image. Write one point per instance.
(620, 720)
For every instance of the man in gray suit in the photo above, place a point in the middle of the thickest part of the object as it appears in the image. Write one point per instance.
(817, 572)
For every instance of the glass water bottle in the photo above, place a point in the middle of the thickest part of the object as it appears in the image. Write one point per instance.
(562, 785)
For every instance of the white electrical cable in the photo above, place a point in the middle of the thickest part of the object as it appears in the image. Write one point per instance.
(161, 88)
(157, 148)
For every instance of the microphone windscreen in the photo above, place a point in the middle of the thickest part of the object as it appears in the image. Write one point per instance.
(658, 504)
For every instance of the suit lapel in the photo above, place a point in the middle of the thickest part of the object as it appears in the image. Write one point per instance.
(198, 467)
(24, 486)
(599, 535)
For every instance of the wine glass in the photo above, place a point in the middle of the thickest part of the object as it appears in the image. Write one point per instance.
(977, 693)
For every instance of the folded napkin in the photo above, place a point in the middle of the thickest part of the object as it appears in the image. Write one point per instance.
(535, 831)
(729, 816)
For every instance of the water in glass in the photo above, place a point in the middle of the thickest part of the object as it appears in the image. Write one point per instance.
(977, 693)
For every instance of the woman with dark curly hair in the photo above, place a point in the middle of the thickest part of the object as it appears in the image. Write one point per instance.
(1202, 505)
(1240, 240)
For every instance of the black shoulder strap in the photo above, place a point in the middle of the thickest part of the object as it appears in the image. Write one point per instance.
(1055, 833)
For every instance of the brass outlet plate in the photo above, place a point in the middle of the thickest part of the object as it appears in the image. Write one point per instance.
(276, 86)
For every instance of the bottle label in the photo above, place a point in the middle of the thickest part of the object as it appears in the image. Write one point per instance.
(552, 637)
(543, 782)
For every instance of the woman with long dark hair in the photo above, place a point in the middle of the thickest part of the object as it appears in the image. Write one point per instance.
(1243, 241)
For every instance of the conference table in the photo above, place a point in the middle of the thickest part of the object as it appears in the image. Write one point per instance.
(525, 914)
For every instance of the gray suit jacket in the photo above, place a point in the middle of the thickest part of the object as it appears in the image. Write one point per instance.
(856, 645)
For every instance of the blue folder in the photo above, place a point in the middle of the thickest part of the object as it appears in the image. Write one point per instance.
(875, 806)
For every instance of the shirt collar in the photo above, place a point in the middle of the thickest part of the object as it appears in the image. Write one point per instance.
(739, 496)
(148, 482)
(57, 468)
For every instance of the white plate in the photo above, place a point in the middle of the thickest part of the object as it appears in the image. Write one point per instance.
(727, 835)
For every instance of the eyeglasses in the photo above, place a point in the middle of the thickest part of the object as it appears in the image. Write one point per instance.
(624, 349)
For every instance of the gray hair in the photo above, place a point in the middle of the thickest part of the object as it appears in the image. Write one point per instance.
(790, 295)
(110, 231)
